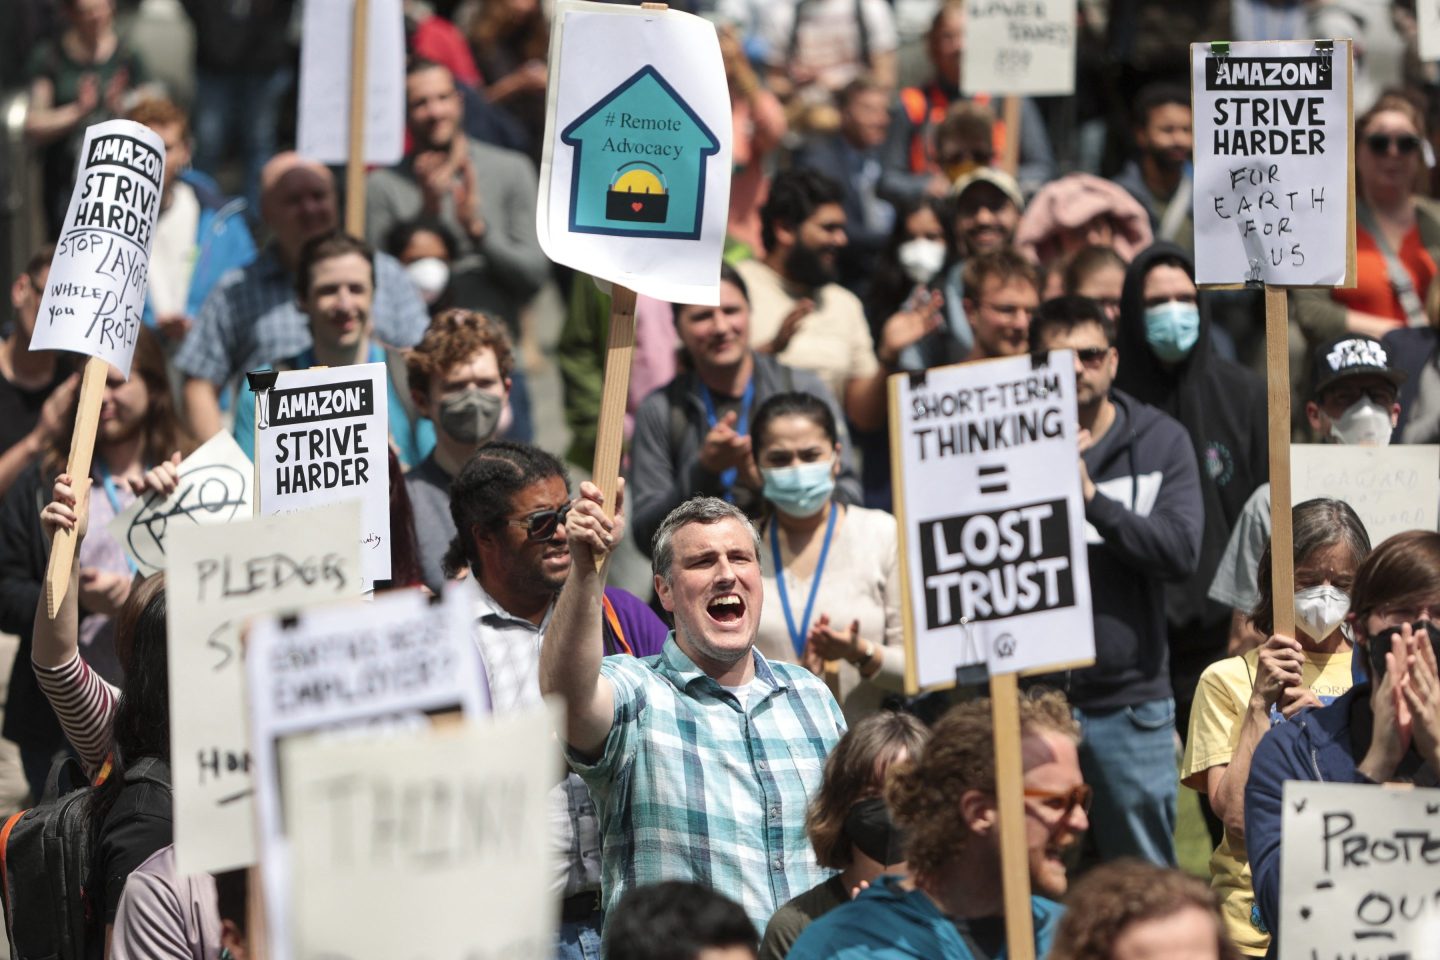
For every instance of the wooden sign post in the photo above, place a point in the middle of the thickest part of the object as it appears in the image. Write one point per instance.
(1010, 154)
(1277, 382)
(82, 449)
(619, 355)
(355, 159)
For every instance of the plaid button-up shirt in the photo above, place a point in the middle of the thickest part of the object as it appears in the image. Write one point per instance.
(691, 786)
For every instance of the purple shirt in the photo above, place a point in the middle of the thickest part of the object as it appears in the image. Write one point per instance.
(643, 630)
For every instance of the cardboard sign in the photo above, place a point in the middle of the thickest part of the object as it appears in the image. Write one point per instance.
(95, 295)
(991, 518)
(443, 831)
(1274, 164)
(1393, 488)
(324, 104)
(217, 577)
(343, 666)
(214, 488)
(1358, 872)
(635, 176)
(1427, 22)
(322, 436)
(1024, 49)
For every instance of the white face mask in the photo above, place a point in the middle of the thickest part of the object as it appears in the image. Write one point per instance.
(1319, 610)
(921, 259)
(431, 276)
(1365, 424)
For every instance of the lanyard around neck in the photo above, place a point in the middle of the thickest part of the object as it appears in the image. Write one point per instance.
(742, 425)
(797, 637)
(112, 493)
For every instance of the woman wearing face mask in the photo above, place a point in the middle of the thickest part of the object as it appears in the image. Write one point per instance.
(848, 824)
(921, 246)
(1241, 698)
(831, 572)
(1385, 730)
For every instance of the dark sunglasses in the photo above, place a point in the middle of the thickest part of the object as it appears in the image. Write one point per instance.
(1092, 356)
(541, 525)
(1405, 143)
(1078, 796)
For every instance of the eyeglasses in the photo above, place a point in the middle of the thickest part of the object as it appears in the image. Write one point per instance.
(1410, 613)
(1347, 397)
(541, 525)
(1092, 356)
(1404, 144)
(1064, 802)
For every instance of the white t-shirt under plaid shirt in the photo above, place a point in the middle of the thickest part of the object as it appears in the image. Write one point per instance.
(691, 786)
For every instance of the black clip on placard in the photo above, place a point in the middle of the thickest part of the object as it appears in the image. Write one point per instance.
(260, 382)
(290, 620)
(1253, 278)
(1324, 48)
(972, 680)
(1039, 358)
(917, 379)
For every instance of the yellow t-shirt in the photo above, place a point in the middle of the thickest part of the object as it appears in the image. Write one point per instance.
(1220, 703)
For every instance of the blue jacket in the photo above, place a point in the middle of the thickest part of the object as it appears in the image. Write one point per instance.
(222, 242)
(1314, 746)
(887, 922)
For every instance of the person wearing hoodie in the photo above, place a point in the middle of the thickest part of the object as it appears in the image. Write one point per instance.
(1165, 338)
(1143, 525)
(1385, 730)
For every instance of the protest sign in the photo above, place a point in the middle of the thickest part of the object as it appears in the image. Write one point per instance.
(214, 487)
(1392, 488)
(95, 294)
(987, 483)
(1427, 23)
(1019, 47)
(217, 577)
(635, 175)
(1274, 163)
(442, 831)
(401, 656)
(1358, 872)
(325, 72)
(322, 435)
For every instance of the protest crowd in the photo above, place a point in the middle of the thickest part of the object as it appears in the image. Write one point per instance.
(748, 772)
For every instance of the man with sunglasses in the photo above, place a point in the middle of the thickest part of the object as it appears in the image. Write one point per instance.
(1143, 518)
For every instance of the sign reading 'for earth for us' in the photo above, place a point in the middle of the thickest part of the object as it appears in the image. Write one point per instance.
(635, 177)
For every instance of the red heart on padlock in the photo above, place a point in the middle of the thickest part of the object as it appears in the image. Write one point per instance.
(637, 206)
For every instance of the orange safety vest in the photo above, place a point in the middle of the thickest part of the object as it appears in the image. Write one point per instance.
(926, 109)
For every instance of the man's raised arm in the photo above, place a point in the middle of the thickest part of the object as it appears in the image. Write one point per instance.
(574, 644)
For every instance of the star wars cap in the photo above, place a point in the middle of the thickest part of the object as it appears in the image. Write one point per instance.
(1351, 355)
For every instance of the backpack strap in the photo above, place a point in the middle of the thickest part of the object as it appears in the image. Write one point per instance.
(1400, 280)
(10, 822)
(145, 769)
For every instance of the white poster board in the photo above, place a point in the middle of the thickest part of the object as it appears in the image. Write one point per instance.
(1021, 49)
(1392, 488)
(214, 487)
(473, 883)
(1358, 872)
(324, 103)
(393, 660)
(992, 519)
(635, 175)
(323, 436)
(1427, 22)
(95, 294)
(216, 578)
(1274, 144)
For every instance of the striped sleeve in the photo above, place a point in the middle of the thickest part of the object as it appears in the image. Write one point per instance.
(85, 705)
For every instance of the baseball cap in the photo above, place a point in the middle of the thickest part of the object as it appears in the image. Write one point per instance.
(1348, 356)
(998, 179)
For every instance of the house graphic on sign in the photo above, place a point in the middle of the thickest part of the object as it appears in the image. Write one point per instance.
(639, 165)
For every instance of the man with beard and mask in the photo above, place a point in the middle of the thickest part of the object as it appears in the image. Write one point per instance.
(1353, 400)
(1143, 523)
(952, 907)
(804, 317)
(335, 286)
(1159, 176)
(1169, 363)
(509, 504)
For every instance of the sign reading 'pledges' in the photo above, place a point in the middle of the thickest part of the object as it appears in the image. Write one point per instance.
(1274, 144)
(635, 177)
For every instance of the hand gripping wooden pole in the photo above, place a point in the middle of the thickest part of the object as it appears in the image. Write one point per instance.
(82, 449)
(355, 161)
(1277, 376)
(1010, 801)
(610, 433)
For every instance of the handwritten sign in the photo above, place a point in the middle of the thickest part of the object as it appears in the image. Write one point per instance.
(322, 436)
(347, 665)
(217, 577)
(1359, 872)
(1274, 147)
(635, 175)
(214, 488)
(442, 831)
(324, 102)
(1020, 47)
(992, 518)
(1392, 488)
(95, 294)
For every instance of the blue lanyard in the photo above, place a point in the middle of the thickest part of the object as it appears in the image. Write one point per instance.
(727, 479)
(112, 494)
(797, 637)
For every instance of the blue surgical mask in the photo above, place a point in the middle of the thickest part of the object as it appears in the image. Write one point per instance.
(799, 491)
(1171, 329)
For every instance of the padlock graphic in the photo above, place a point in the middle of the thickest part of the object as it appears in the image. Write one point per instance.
(638, 193)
